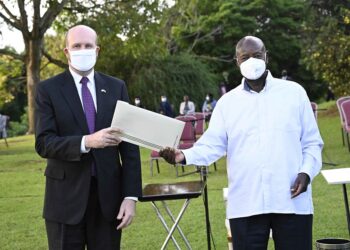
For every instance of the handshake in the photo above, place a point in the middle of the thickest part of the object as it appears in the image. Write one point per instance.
(172, 155)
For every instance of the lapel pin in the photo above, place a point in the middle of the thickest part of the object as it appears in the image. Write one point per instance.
(103, 91)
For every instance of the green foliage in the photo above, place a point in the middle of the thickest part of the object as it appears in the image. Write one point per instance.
(12, 87)
(327, 44)
(54, 44)
(22, 185)
(214, 28)
(137, 37)
(18, 128)
(128, 32)
(174, 76)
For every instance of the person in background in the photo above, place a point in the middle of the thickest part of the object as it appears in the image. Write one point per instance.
(3, 126)
(186, 107)
(138, 102)
(222, 88)
(267, 130)
(165, 107)
(285, 75)
(208, 106)
(330, 95)
(209, 103)
(93, 179)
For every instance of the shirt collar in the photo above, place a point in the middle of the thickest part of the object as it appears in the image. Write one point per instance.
(78, 77)
(246, 87)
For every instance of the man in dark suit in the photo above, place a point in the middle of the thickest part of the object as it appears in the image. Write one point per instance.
(165, 107)
(92, 178)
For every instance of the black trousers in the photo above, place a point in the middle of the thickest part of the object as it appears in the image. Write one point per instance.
(289, 232)
(94, 231)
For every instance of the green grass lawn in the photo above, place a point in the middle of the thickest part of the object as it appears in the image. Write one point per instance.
(22, 188)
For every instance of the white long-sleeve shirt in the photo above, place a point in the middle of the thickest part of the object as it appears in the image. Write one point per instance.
(191, 108)
(269, 137)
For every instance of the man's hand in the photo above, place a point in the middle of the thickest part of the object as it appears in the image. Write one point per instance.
(171, 155)
(126, 213)
(103, 138)
(300, 184)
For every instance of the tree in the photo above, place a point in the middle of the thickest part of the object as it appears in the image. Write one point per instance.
(327, 43)
(33, 36)
(210, 30)
(173, 76)
(130, 36)
(12, 87)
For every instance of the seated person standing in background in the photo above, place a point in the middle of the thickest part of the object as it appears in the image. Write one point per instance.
(187, 107)
(285, 75)
(138, 102)
(3, 125)
(165, 107)
(208, 106)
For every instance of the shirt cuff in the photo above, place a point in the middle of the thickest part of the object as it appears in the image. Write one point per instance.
(131, 198)
(310, 166)
(83, 149)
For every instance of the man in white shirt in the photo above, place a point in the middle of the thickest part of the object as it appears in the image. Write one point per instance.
(186, 107)
(267, 129)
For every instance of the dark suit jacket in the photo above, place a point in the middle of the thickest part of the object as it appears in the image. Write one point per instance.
(60, 126)
(166, 109)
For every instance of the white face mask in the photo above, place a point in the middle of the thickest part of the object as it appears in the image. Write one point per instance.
(83, 60)
(163, 99)
(207, 98)
(137, 101)
(253, 68)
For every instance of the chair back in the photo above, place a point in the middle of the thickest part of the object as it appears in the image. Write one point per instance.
(345, 107)
(314, 107)
(199, 123)
(189, 133)
(339, 103)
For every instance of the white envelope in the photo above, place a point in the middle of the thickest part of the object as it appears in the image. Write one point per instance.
(146, 128)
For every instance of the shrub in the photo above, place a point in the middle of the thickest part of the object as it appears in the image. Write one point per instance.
(173, 76)
(19, 128)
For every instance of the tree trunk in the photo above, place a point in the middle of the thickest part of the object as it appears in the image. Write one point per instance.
(33, 78)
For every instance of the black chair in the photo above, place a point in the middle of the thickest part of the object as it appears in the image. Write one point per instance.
(175, 191)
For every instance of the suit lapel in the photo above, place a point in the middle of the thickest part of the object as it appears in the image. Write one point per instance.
(70, 94)
(102, 93)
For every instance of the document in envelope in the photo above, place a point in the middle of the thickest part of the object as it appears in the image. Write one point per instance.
(146, 128)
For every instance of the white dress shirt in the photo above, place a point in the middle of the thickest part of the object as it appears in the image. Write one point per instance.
(92, 87)
(269, 137)
(191, 108)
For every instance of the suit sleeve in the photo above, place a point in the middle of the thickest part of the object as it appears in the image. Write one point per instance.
(131, 164)
(48, 143)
